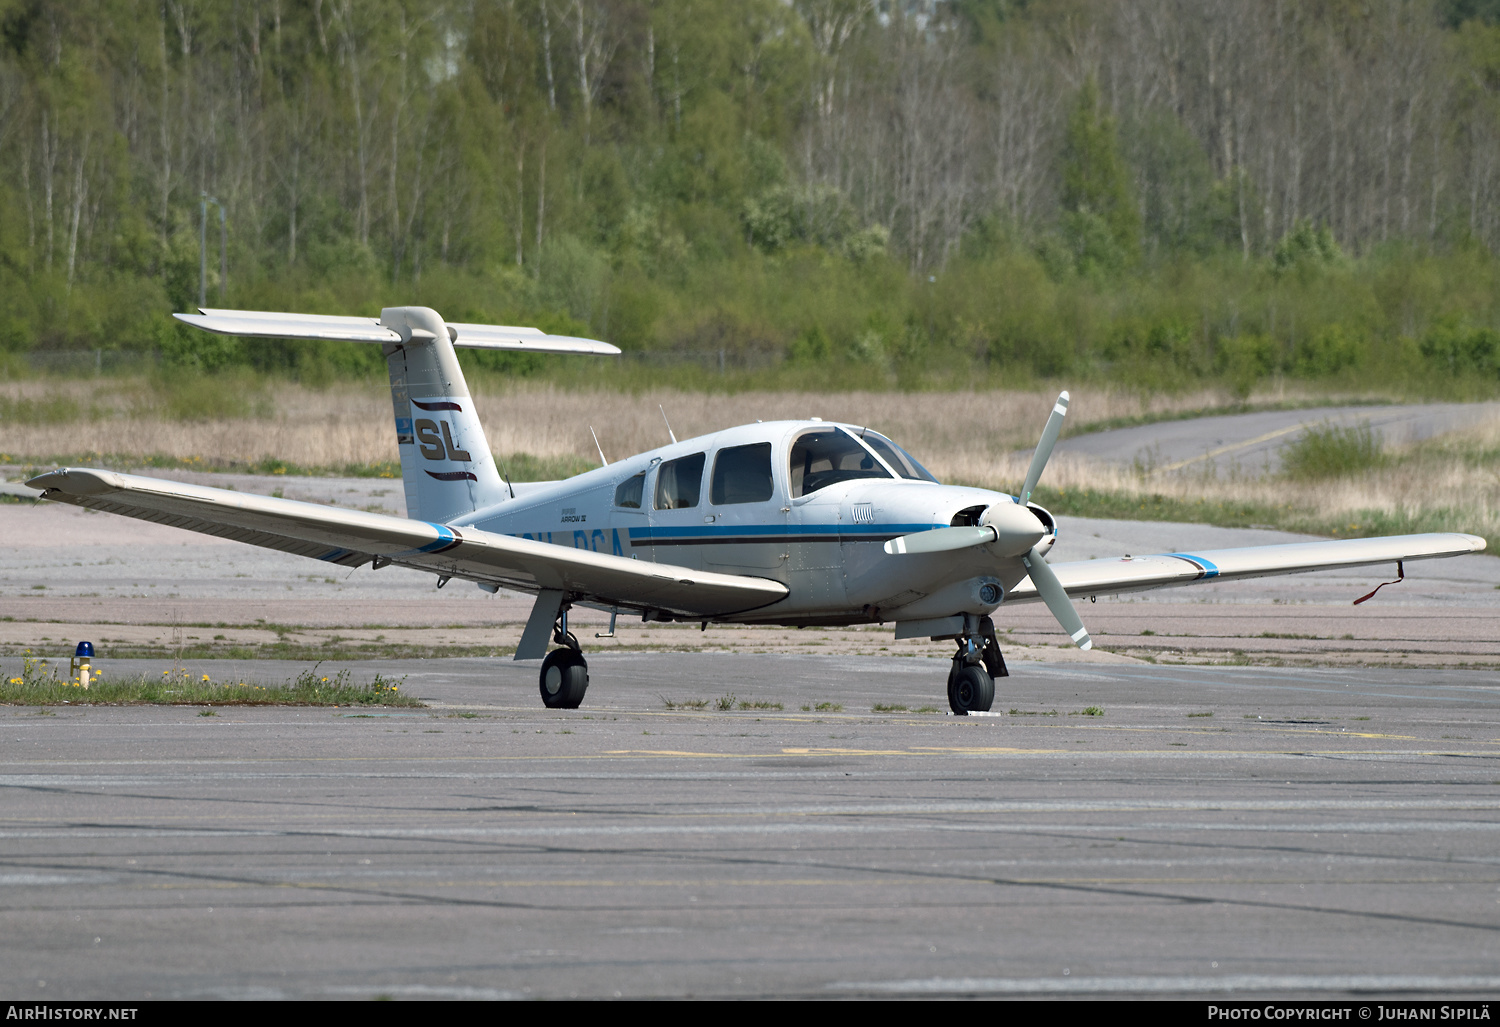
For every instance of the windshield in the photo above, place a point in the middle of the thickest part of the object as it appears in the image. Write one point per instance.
(897, 457)
(828, 456)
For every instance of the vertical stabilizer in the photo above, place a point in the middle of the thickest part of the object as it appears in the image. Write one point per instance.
(446, 463)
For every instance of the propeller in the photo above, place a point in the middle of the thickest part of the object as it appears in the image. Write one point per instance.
(1044, 448)
(1010, 529)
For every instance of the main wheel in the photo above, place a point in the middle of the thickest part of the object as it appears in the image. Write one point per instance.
(565, 677)
(970, 690)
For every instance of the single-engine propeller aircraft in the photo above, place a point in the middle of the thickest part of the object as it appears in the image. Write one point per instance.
(783, 522)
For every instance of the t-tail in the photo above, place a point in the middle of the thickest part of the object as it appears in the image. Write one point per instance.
(446, 464)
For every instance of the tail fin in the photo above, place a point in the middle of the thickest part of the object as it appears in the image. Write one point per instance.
(446, 464)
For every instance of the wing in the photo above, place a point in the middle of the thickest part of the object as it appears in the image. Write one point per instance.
(352, 537)
(1138, 573)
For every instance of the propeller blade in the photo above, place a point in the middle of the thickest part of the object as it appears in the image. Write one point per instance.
(939, 540)
(1052, 593)
(1044, 448)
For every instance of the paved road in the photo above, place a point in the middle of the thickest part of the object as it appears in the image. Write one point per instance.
(1251, 444)
(1215, 832)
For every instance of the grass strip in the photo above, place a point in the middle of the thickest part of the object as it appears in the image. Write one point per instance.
(40, 685)
(353, 650)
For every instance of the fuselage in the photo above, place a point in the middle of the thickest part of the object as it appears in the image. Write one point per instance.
(806, 503)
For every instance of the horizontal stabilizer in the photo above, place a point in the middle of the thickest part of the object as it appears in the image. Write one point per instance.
(271, 325)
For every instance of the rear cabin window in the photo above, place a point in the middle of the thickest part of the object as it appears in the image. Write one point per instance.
(678, 483)
(742, 474)
(828, 456)
(630, 492)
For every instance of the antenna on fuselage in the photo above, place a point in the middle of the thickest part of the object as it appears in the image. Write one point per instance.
(599, 447)
(666, 422)
(506, 475)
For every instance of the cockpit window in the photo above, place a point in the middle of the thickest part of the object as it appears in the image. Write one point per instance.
(629, 494)
(898, 458)
(678, 482)
(828, 456)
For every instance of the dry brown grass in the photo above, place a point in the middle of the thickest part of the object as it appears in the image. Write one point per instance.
(971, 437)
(126, 419)
(951, 431)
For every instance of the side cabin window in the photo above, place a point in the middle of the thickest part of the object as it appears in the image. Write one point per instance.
(742, 474)
(678, 483)
(630, 492)
(828, 456)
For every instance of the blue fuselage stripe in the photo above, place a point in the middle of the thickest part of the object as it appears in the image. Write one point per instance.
(773, 532)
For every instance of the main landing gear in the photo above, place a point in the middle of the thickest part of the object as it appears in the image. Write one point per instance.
(971, 682)
(565, 674)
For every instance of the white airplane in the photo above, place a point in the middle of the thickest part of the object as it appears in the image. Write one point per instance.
(783, 522)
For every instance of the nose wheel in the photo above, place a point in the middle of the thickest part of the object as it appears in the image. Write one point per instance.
(970, 689)
(565, 673)
(971, 682)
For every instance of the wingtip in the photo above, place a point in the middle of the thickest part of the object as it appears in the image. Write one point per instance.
(75, 481)
(48, 479)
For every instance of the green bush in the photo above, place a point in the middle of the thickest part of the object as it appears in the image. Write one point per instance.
(1244, 360)
(1331, 451)
(1457, 349)
(1326, 352)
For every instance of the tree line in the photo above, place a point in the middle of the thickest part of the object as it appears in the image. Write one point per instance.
(1200, 187)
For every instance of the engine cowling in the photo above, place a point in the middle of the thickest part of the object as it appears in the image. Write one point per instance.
(1049, 522)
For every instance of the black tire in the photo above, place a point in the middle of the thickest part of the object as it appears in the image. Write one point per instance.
(564, 679)
(970, 690)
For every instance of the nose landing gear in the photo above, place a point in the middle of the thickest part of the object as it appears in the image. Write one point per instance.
(565, 673)
(971, 682)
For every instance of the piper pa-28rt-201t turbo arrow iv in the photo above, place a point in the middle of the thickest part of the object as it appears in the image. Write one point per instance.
(783, 522)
